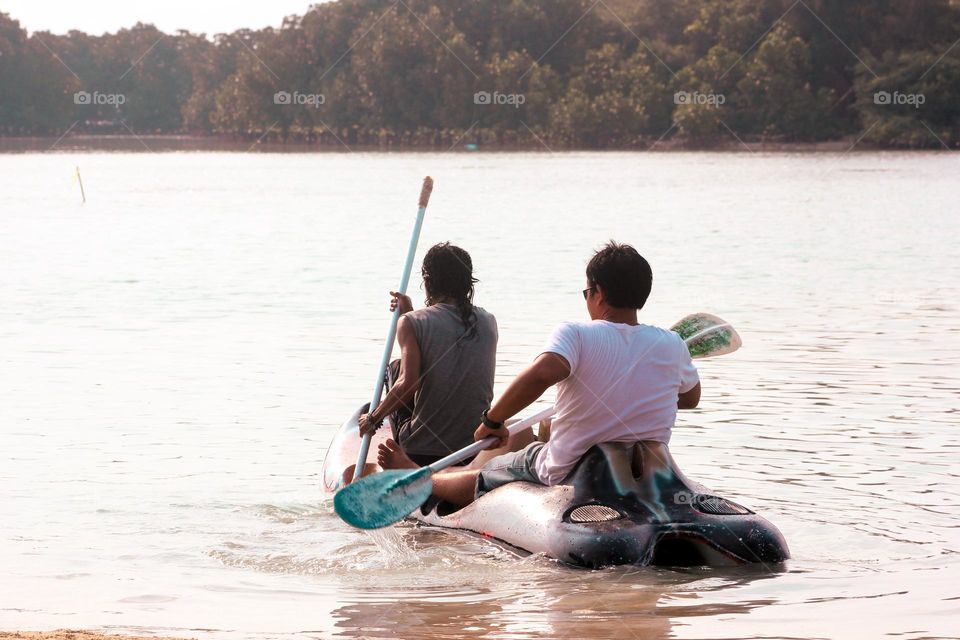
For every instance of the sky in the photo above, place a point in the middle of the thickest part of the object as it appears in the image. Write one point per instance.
(200, 16)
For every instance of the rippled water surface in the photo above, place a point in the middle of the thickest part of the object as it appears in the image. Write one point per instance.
(176, 354)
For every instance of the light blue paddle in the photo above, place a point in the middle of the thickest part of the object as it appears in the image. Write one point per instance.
(425, 192)
(381, 499)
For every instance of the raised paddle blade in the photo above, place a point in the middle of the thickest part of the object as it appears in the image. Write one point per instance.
(381, 499)
(707, 335)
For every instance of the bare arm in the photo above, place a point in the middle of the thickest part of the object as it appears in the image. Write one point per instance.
(406, 384)
(547, 370)
(690, 399)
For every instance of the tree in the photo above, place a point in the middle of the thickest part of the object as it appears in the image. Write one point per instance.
(615, 74)
(521, 94)
(610, 100)
(12, 44)
(148, 73)
(245, 102)
(704, 93)
(407, 71)
(775, 97)
(912, 102)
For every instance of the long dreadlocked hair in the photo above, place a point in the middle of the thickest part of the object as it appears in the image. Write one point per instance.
(448, 273)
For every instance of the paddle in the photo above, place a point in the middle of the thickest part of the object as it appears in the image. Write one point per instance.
(707, 335)
(381, 499)
(394, 319)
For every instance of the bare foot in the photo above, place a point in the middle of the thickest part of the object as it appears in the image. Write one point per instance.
(347, 476)
(391, 456)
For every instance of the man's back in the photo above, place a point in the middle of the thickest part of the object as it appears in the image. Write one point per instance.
(456, 371)
(623, 387)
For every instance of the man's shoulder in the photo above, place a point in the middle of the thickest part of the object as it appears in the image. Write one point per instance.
(604, 327)
(420, 314)
(483, 313)
(571, 330)
(654, 334)
(598, 330)
(434, 311)
(639, 335)
(659, 332)
(427, 318)
(574, 325)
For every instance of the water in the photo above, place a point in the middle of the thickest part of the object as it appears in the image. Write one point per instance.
(177, 353)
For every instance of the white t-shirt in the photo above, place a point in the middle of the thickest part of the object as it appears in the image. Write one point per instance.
(623, 386)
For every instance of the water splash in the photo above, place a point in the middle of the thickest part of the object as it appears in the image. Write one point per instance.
(393, 547)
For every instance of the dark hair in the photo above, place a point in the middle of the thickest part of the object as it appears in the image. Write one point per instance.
(448, 273)
(623, 274)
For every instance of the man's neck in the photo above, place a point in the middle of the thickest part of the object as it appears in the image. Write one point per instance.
(620, 316)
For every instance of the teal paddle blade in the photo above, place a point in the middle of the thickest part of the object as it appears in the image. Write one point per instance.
(707, 335)
(381, 499)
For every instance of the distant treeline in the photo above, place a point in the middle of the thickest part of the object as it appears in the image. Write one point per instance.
(566, 73)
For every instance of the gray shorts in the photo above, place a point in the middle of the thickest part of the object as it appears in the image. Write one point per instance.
(510, 467)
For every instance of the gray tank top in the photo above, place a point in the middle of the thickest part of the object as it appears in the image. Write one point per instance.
(456, 372)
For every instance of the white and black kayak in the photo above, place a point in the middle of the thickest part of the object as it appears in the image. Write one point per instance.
(621, 504)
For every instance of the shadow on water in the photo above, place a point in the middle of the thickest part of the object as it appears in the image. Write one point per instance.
(542, 599)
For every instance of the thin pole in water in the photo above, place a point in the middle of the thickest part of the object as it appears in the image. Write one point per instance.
(83, 195)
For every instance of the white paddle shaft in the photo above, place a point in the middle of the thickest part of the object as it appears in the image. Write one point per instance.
(394, 319)
(482, 445)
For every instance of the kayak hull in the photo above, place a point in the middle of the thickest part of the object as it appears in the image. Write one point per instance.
(621, 504)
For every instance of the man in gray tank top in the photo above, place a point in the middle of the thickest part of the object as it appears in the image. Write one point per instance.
(444, 379)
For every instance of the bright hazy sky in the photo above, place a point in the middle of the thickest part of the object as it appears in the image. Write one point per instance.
(205, 16)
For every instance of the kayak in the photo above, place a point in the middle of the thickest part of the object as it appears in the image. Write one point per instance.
(621, 504)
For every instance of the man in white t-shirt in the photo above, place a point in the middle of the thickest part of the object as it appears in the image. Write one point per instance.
(617, 381)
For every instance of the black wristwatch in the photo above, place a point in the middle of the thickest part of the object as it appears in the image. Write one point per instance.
(488, 423)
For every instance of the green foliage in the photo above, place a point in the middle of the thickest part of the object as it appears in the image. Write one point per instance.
(775, 97)
(610, 99)
(35, 90)
(516, 73)
(566, 73)
(702, 119)
(912, 101)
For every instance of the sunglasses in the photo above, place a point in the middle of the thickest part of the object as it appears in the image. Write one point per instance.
(587, 291)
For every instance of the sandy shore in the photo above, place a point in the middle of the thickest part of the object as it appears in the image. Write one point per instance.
(66, 634)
